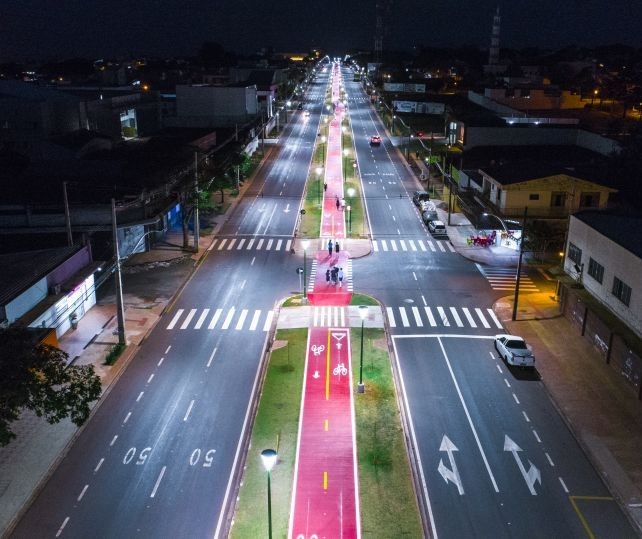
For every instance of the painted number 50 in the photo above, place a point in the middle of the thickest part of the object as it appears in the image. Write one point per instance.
(207, 460)
(142, 456)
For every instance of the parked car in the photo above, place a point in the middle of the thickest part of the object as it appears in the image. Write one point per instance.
(420, 196)
(437, 228)
(375, 140)
(514, 350)
(429, 216)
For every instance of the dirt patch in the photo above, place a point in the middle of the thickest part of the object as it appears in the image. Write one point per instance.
(381, 344)
(279, 344)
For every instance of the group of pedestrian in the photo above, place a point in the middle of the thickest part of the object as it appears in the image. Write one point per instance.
(333, 246)
(334, 276)
(340, 204)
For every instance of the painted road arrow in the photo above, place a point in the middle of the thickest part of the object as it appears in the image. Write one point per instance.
(287, 209)
(533, 473)
(451, 474)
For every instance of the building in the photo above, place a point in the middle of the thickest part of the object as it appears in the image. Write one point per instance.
(604, 253)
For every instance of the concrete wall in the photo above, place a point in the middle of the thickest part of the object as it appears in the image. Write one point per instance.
(69, 267)
(27, 300)
(617, 261)
(518, 136)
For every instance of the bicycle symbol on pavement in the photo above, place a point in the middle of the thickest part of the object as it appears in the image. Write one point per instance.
(340, 369)
(317, 349)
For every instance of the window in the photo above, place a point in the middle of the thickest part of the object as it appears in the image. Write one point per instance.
(574, 253)
(533, 196)
(621, 291)
(596, 270)
(589, 200)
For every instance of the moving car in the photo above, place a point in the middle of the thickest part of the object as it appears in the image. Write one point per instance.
(437, 228)
(514, 350)
(375, 140)
(306, 113)
(420, 196)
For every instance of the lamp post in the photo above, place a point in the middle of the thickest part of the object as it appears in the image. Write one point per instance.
(268, 457)
(501, 221)
(519, 265)
(392, 128)
(323, 141)
(305, 244)
(354, 170)
(346, 153)
(319, 170)
(363, 312)
(351, 192)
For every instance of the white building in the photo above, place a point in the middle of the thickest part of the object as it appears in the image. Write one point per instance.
(604, 251)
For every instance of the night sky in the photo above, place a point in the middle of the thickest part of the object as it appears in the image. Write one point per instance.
(33, 29)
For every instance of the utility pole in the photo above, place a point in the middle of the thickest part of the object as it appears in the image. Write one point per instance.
(70, 239)
(519, 264)
(120, 310)
(196, 221)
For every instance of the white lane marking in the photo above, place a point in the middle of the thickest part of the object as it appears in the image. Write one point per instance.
(243, 284)
(442, 315)
(82, 493)
(140, 396)
(278, 245)
(414, 275)
(431, 318)
(516, 399)
(113, 440)
(253, 259)
(269, 244)
(222, 244)
(550, 460)
(375, 246)
(217, 315)
(191, 314)
(151, 377)
(212, 245)
(255, 320)
(287, 245)
(178, 314)
(506, 382)
(432, 247)
(418, 321)
(250, 243)
(393, 244)
(127, 417)
(384, 244)
(563, 485)
(404, 317)
(241, 320)
(398, 232)
(455, 314)
(537, 436)
(62, 526)
(232, 242)
(391, 317)
(268, 321)
(201, 319)
(168, 349)
(526, 417)
(482, 318)
(492, 356)
(499, 369)
(240, 245)
(424, 300)
(495, 319)
(412, 245)
(393, 217)
(260, 244)
(403, 245)
(160, 477)
(189, 409)
(440, 244)
(160, 362)
(209, 361)
(100, 463)
(421, 245)
(470, 421)
(469, 317)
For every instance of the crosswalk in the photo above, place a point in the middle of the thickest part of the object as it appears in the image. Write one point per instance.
(221, 319)
(347, 276)
(329, 316)
(505, 279)
(251, 243)
(474, 317)
(416, 245)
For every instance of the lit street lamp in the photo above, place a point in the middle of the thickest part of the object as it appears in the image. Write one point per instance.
(354, 170)
(363, 312)
(269, 456)
(305, 244)
(350, 196)
(323, 141)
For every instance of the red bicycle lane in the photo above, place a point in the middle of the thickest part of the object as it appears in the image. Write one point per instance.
(325, 494)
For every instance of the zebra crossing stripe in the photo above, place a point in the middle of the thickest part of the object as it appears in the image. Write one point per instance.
(404, 317)
(431, 318)
(315, 317)
(241, 243)
(495, 319)
(482, 318)
(178, 314)
(228, 318)
(250, 243)
(432, 247)
(190, 315)
(442, 315)
(278, 245)
(421, 245)
(201, 319)
(343, 317)
(440, 244)
(391, 317)
(212, 244)
(456, 317)
(375, 246)
(241, 320)
(217, 315)
(418, 321)
(260, 244)
(222, 244)
(232, 242)
(287, 245)
(470, 318)
(412, 245)
(403, 245)
(393, 244)
(255, 320)
(384, 244)
(450, 247)
(268, 321)
(269, 244)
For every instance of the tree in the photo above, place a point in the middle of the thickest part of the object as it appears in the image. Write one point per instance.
(36, 377)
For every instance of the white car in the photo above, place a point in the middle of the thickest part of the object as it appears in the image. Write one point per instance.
(437, 228)
(514, 350)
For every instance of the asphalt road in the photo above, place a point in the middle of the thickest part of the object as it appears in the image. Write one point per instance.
(159, 457)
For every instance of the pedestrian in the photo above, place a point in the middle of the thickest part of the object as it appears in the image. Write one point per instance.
(330, 247)
(327, 277)
(325, 187)
(340, 275)
(337, 204)
(334, 273)
(343, 204)
(336, 247)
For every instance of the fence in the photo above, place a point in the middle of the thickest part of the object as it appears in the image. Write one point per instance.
(609, 344)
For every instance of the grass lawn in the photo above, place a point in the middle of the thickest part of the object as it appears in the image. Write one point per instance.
(363, 299)
(275, 427)
(387, 498)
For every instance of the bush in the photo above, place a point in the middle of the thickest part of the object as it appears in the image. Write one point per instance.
(114, 354)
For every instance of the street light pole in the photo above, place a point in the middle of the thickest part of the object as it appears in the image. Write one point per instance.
(269, 456)
(305, 244)
(319, 171)
(363, 312)
(519, 265)
(120, 311)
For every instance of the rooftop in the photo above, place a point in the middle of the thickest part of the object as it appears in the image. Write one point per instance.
(620, 228)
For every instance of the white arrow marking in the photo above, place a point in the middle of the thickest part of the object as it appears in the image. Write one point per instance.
(316, 374)
(287, 209)
(533, 473)
(338, 336)
(451, 474)
(262, 208)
